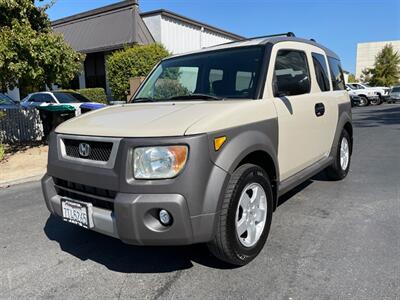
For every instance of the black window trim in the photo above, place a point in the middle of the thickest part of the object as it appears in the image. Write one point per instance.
(328, 69)
(308, 69)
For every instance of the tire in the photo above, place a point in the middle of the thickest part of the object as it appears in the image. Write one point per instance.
(363, 101)
(227, 245)
(375, 102)
(339, 169)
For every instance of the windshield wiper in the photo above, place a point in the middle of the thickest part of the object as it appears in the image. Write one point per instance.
(196, 96)
(143, 100)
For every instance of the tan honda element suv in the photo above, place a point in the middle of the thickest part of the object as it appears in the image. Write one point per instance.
(206, 147)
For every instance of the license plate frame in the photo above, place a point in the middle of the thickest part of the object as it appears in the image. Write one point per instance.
(77, 212)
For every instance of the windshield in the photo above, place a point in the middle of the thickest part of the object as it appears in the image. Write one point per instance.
(231, 73)
(5, 100)
(396, 89)
(70, 97)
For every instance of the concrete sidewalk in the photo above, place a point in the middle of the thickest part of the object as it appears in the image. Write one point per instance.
(23, 166)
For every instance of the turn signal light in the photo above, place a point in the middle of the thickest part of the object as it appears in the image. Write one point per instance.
(218, 142)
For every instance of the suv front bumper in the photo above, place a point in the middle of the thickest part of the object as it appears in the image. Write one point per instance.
(134, 218)
(126, 208)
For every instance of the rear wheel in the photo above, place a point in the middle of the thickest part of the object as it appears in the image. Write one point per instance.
(375, 101)
(341, 165)
(245, 217)
(363, 101)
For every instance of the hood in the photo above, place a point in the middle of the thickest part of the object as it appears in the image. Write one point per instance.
(163, 119)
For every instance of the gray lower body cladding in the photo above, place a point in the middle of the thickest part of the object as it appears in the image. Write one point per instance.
(192, 197)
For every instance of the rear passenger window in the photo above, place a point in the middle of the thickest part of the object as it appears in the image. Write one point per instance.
(215, 75)
(244, 80)
(321, 71)
(336, 74)
(291, 73)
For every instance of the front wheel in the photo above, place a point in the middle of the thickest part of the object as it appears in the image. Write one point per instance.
(341, 165)
(245, 217)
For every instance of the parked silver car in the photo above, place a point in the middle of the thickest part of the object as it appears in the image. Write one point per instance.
(394, 95)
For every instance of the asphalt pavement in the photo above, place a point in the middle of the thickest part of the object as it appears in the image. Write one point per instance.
(328, 240)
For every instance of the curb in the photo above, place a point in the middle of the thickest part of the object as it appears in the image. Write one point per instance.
(7, 184)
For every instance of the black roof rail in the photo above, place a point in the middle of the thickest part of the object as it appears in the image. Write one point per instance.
(289, 34)
(313, 40)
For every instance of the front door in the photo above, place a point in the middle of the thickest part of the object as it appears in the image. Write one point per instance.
(300, 111)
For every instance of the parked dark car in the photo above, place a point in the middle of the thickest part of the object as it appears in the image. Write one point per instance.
(355, 100)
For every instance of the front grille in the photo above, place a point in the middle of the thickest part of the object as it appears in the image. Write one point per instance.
(101, 198)
(99, 151)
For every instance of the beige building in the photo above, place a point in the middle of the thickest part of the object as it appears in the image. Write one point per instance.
(366, 53)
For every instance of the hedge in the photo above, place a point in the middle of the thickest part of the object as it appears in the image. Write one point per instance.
(2, 151)
(94, 94)
(135, 61)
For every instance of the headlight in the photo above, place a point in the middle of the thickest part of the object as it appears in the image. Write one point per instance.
(159, 162)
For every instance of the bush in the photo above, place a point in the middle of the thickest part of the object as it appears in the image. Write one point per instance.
(132, 62)
(94, 94)
(2, 151)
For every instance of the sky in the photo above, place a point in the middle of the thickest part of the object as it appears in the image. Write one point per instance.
(336, 24)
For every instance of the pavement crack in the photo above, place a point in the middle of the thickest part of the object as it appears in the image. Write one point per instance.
(167, 286)
(122, 287)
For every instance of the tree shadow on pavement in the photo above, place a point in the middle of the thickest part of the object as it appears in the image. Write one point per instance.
(375, 118)
(117, 256)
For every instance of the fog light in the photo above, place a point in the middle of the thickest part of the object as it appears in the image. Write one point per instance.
(165, 217)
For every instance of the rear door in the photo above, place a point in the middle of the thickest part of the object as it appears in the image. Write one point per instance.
(301, 109)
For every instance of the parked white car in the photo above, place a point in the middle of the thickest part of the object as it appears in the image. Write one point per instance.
(381, 91)
(367, 96)
(55, 98)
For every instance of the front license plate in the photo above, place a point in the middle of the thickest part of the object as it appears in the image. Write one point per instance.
(77, 213)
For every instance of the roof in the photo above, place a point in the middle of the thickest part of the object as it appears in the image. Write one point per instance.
(262, 41)
(107, 28)
(193, 22)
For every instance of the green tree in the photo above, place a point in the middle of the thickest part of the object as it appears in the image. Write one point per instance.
(135, 61)
(352, 78)
(386, 70)
(365, 75)
(30, 51)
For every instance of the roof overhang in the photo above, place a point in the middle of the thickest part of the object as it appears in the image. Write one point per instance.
(104, 29)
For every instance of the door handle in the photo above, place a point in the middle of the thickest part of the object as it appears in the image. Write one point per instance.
(319, 109)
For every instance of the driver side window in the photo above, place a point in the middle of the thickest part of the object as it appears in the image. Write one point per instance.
(40, 98)
(291, 75)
